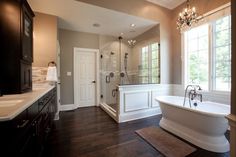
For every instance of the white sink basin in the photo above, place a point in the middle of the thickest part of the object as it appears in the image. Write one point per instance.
(9, 103)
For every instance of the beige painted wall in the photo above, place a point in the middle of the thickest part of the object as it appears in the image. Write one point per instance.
(150, 11)
(68, 40)
(45, 39)
(154, 32)
(202, 6)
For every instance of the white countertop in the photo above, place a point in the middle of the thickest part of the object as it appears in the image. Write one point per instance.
(13, 105)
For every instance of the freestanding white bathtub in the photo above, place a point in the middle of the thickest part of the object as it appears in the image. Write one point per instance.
(203, 125)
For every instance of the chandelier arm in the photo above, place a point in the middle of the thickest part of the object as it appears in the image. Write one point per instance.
(187, 17)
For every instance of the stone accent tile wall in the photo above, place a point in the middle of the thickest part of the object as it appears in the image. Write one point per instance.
(39, 75)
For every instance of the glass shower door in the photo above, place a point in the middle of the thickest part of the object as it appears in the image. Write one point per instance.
(109, 74)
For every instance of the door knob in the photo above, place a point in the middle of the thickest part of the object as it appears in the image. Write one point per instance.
(93, 81)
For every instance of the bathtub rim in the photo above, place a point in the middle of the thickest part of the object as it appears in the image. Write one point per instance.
(192, 110)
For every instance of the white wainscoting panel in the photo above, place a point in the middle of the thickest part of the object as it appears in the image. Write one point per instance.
(154, 103)
(138, 101)
(162, 90)
(134, 101)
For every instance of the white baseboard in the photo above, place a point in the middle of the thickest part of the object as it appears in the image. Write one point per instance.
(139, 115)
(70, 107)
(56, 117)
(67, 107)
(109, 112)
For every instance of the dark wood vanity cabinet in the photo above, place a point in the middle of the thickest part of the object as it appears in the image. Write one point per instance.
(26, 76)
(27, 33)
(26, 134)
(16, 38)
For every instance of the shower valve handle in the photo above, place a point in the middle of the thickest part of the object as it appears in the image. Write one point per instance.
(93, 81)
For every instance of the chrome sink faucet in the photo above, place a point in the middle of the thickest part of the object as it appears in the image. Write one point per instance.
(192, 94)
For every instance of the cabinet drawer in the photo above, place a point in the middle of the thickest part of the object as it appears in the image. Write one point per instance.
(44, 100)
(20, 121)
(33, 111)
(18, 129)
(54, 91)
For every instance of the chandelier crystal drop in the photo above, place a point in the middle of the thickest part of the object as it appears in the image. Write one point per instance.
(187, 17)
(131, 42)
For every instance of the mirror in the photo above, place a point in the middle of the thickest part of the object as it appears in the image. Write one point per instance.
(132, 58)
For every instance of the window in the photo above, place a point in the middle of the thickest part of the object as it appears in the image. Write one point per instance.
(197, 56)
(144, 65)
(222, 53)
(149, 71)
(208, 55)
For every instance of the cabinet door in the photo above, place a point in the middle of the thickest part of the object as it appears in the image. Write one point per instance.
(55, 100)
(33, 111)
(26, 77)
(18, 131)
(27, 35)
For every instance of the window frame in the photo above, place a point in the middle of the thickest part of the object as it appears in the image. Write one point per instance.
(211, 58)
(213, 50)
(149, 62)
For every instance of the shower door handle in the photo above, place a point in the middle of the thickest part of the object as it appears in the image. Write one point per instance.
(108, 79)
(93, 81)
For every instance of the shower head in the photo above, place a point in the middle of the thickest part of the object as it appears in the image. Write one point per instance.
(126, 55)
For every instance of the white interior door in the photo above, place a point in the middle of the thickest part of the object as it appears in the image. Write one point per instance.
(85, 77)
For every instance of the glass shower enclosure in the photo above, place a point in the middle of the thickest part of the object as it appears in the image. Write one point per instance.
(113, 72)
(124, 64)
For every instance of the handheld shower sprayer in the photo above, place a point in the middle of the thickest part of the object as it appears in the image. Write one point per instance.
(126, 55)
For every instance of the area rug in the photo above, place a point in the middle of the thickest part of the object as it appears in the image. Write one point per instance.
(165, 143)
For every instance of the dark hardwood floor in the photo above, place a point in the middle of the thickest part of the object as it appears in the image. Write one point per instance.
(90, 132)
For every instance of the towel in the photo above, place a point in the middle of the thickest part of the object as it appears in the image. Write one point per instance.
(52, 74)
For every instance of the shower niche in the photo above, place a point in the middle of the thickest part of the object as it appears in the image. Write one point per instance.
(125, 61)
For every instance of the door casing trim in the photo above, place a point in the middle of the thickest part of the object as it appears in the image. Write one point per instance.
(97, 77)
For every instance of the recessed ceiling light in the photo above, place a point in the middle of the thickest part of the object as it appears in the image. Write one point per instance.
(96, 25)
(132, 25)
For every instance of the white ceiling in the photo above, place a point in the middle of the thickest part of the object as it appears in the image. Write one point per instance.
(78, 16)
(170, 4)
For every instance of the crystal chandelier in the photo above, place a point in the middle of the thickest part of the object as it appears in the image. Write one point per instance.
(131, 42)
(187, 17)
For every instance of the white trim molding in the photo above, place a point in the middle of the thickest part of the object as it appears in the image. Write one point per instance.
(68, 107)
